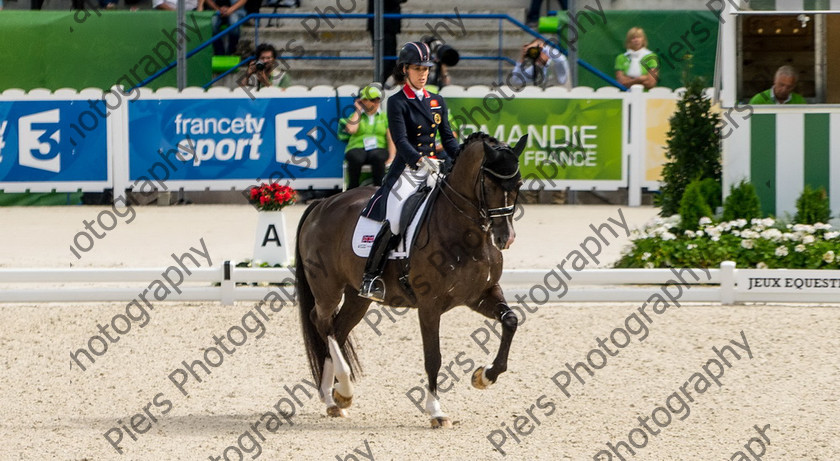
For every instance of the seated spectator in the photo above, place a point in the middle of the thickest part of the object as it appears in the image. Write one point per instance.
(638, 65)
(782, 90)
(226, 15)
(264, 71)
(549, 62)
(172, 5)
(368, 138)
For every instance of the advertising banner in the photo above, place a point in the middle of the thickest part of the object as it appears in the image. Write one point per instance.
(58, 144)
(573, 143)
(658, 114)
(787, 281)
(222, 143)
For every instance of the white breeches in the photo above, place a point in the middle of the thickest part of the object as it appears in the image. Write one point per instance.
(410, 180)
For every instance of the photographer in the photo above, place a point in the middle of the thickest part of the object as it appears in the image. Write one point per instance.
(263, 71)
(549, 62)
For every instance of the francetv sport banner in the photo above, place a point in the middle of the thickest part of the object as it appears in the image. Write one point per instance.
(219, 143)
(53, 144)
(574, 142)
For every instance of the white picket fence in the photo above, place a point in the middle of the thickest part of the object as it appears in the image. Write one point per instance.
(225, 284)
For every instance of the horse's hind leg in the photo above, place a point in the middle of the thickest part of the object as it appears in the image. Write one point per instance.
(430, 330)
(493, 305)
(339, 395)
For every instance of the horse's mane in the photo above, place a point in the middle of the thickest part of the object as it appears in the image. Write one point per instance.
(477, 137)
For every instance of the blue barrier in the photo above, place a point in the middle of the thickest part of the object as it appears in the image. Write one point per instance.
(501, 17)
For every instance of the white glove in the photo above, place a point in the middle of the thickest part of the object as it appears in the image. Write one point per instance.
(431, 165)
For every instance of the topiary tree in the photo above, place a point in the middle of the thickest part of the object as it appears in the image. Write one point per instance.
(693, 206)
(742, 202)
(693, 147)
(712, 192)
(812, 206)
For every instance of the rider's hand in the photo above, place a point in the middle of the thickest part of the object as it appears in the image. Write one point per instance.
(429, 164)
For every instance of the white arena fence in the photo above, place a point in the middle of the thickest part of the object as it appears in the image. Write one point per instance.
(227, 284)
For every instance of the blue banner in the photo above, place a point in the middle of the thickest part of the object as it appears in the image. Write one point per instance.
(236, 140)
(53, 142)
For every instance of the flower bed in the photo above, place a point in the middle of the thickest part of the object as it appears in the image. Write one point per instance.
(761, 243)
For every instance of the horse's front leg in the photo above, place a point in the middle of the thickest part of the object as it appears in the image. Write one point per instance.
(430, 330)
(493, 305)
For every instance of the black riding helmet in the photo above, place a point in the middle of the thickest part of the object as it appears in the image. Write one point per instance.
(416, 53)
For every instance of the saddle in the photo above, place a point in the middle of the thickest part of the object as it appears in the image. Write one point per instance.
(415, 211)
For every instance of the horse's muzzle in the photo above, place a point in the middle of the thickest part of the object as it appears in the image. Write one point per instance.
(510, 239)
(503, 235)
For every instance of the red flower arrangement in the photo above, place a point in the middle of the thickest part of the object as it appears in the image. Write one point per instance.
(272, 196)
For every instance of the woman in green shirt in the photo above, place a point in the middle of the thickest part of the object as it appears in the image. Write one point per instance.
(638, 65)
(368, 138)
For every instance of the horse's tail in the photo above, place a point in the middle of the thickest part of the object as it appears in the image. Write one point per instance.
(316, 348)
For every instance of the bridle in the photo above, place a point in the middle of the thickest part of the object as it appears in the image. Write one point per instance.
(485, 214)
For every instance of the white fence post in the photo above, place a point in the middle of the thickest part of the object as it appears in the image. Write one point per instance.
(727, 283)
(635, 149)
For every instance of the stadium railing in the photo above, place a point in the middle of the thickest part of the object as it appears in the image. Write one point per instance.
(498, 57)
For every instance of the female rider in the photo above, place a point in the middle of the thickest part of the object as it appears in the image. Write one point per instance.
(415, 116)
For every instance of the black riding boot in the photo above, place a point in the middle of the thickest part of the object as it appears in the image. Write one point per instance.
(372, 286)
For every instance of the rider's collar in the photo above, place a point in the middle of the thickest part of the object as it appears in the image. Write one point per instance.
(411, 93)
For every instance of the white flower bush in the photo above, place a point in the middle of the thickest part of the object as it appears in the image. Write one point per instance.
(757, 243)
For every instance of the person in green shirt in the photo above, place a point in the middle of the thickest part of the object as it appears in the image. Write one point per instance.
(638, 65)
(368, 138)
(782, 90)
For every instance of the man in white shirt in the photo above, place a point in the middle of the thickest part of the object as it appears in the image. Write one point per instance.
(550, 63)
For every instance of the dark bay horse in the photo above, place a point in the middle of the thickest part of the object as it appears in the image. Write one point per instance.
(456, 260)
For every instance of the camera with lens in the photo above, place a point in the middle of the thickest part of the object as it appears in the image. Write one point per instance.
(533, 52)
(260, 66)
(442, 52)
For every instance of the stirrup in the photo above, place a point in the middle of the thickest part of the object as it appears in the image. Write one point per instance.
(373, 288)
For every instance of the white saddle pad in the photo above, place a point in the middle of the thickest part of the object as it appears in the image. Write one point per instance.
(366, 230)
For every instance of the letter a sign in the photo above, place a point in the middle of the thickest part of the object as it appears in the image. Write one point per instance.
(270, 243)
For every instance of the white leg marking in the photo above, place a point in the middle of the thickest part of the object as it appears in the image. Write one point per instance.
(484, 378)
(433, 406)
(327, 380)
(342, 369)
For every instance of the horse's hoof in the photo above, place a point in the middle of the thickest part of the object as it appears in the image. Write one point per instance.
(441, 422)
(478, 379)
(342, 401)
(336, 412)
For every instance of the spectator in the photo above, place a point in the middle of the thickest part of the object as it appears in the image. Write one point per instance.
(547, 60)
(638, 65)
(226, 15)
(782, 90)
(391, 27)
(368, 138)
(532, 19)
(264, 71)
(172, 5)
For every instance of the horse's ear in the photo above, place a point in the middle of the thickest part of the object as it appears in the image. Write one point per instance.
(520, 145)
(489, 152)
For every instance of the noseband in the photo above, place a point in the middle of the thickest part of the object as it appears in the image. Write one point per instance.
(499, 212)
